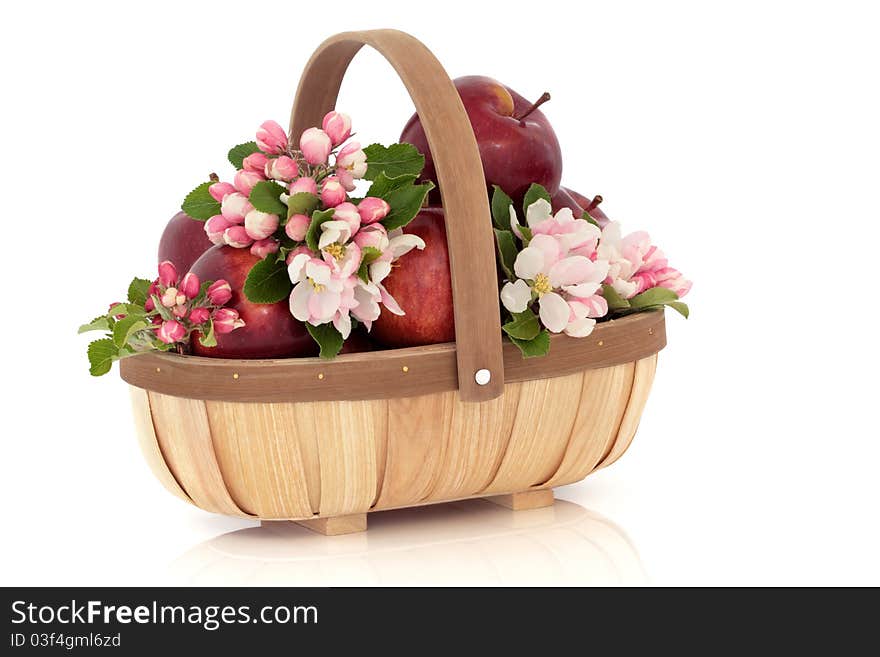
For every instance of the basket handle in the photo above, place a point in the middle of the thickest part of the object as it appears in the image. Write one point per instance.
(460, 174)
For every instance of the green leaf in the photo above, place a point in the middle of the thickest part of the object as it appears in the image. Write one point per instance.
(238, 153)
(137, 291)
(405, 204)
(537, 346)
(313, 234)
(615, 301)
(395, 160)
(264, 197)
(369, 255)
(534, 193)
(328, 339)
(101, 353)
(681, 307)
(507, 251)
(267, 281)
(524, 326)
(125, 328)
(586, 217)
(101, 323)
(199, 204)
(383, 185)
(656, 296)
(208, 339)
(302, 203)
(501, 203)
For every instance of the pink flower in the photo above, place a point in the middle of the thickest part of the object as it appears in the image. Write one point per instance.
(255, 162)
(245, 181)
(315, 146)
(297, 227)
(171, 331)
(577, 236)
(332, 192)
(304, 184)
(167, 273)
(215, 227)
(172, 297)
(219, 292)
(226, 320)
(348, 213)
(234, 207)
(260, 225)
(374, 236)
(351, 165)
(337, 126)
(199, 315)
(149, 304)
(373, 209)
(219, 190)
(317, 293)
(237, 237)
(179, 311)
(672, 279)
(271, 138)
(282, 168)
(298, 250)
(264, 247)
(190, 285)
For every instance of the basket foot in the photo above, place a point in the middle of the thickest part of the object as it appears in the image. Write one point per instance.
(531, 499)
(337, 525)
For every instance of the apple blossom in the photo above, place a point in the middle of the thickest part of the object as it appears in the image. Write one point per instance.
(271, 138)
(374, 236)
(170, 331)
(237, 237)
(167, 273)
(219, 190)
(260, 225)
(577, 236)
(264, 247)
(351, 165)
(189, 285)
(348, 213)
(215, 227)
(317, 293)
(337, 126)
(234, 207)
(245, 180)
(227, 320)
(373, 209)
(297, 227)
(304, 184)
(199, 315)
(332, 192)
(219, 292)
(315, 146)
(172, 297)
(255, 162)
(300, 249)
(179, 311)
(282, 168)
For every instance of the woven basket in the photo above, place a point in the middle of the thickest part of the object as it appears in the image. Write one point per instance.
(325, 442)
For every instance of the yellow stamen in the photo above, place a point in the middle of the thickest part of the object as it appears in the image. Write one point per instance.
(318, 287)
(542, 284)
(336, 250)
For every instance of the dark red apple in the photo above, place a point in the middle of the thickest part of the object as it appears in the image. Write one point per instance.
(183, 241)
(517, 145)
(270, 331)
(357, 342)
(421, 284)
(590, 205)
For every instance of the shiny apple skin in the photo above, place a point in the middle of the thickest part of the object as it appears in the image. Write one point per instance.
(583, 202)
(183, 241)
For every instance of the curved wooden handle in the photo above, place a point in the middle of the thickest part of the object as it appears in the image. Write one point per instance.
(460, 173)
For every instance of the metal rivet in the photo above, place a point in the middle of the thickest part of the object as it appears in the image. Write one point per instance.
(482, 377)
(405, 369)
(321, 375)
(158, 369)
(235, 375)
(650, 331)
(601, 342)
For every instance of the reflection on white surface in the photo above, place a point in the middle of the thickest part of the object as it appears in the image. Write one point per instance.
(460, 543)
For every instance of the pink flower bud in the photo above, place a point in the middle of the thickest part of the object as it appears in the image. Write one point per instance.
(190, 285)
(226, 320)
(245, 181)
(282, 168)
(110, 307)
(156, 320)
(171, 331)
(373, 209)
(297, 226)
(219, 190)
(237, 237)
(352, 160)
(271, 138)
(172, 297)
(259, 225)
(214, 228)
(199, 315)
(348, 213)
(332, 192)
(337, 126)
(373, 235)
(234, 208)
(167, 273)
(219, 292)
(300, 249)
(255, 162)
(304, 184)
(315, 146)
(179, 311)
(149, 305)
(262, 248)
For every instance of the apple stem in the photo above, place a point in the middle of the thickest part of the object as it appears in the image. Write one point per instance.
(594, 203)
(543, 99)
(213, 177)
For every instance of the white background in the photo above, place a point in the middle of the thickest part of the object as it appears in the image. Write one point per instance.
(744, 136)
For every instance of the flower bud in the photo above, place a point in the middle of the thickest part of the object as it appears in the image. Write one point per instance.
(156, 320)
(259, 225)
(271, 138)
(149, 305)
(245, 181)
(199, 315)
(227, 320)
(234, 208)
(304, 184)
(348, 213)
(298, 250)
(237, 237)
(179, 311)
(373, 235)
(297, 227)
(167, 273)
(110, 308)
(373, 209)
(282, 168)
(171, 331)
(332, 192)
(172, 297)
(353, 160)
(219, 292)
(264, 247)
(315, 146)
(190, 285)
(337, 126)
(214, 228)
(255, 162)
(219, 190)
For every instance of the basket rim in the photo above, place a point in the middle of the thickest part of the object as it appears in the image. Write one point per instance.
(387, 374)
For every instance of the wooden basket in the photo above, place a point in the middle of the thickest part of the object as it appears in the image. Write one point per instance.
(325, 442)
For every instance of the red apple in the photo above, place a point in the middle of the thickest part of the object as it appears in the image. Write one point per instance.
(421, 284)
(357, 342)
(270, 331)
(590, 205)
(517, 145)
(183, 241)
